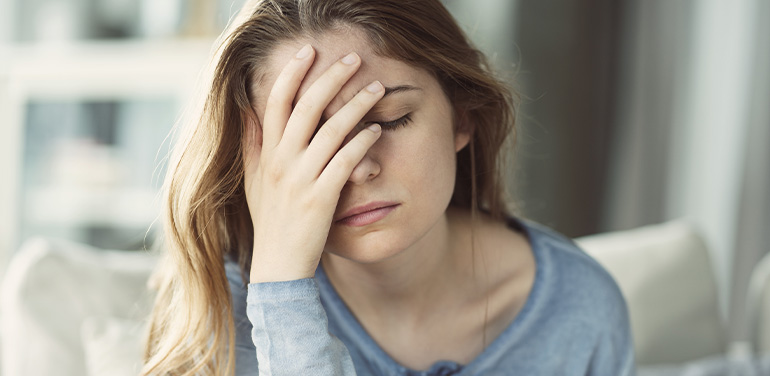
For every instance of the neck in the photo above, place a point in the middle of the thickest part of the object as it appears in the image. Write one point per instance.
(417, 282)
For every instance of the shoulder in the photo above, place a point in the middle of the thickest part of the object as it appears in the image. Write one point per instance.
(574, 307)
(573, 280)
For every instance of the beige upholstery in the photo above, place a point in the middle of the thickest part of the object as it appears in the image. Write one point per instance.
(52, 288)
(72, 310)
(666, 276)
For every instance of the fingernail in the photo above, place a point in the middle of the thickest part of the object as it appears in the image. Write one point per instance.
(350, 59)
(374, 128)
(304, 52)
(374, 87)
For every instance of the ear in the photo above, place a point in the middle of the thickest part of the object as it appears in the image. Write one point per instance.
(463, 129)
(462, 132)
(462, 137)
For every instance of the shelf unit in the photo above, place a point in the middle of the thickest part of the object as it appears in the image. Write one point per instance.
(83, 72)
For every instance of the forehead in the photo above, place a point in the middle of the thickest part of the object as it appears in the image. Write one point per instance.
(330, 47)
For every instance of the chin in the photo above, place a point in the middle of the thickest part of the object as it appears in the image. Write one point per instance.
(368, 249)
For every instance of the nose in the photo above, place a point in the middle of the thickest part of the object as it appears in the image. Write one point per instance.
(367, 169)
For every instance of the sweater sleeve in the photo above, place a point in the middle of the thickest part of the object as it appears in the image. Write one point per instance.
(291, 331)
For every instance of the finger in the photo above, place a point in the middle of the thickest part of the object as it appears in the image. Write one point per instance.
(330, 136)
(340, 167)
(281, 97)
(308, 110)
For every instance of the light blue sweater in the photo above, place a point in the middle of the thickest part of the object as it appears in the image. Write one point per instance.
(575, 322)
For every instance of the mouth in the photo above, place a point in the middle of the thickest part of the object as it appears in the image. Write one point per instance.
(367, 214)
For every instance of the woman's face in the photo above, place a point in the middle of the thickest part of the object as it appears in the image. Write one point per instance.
(410, 169)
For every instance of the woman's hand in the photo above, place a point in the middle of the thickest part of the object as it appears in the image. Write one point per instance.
(293, 184)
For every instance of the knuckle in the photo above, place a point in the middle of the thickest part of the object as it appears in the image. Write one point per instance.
(328, 133)
(343, 162)
(295, 180)
(302, 108)
(274, 172)
(338, 72)
(358, 106)
(308, 203)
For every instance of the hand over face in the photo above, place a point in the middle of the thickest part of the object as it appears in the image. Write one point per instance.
(294, 178)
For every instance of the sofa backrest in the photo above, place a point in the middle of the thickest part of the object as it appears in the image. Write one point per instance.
(666, 276)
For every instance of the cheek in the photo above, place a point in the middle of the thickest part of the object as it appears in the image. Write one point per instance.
(426, 162)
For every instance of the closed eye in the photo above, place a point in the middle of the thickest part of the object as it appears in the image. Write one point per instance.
(394, 124)
(385, 125)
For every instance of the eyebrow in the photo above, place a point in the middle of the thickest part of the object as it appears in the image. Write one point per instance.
(399, 89)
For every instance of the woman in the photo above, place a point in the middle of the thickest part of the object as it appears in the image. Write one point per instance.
(337, 209)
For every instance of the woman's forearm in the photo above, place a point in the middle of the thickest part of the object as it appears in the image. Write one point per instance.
(290, 331)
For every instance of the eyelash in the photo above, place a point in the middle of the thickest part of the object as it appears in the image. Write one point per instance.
(385, 125)
(400, 122)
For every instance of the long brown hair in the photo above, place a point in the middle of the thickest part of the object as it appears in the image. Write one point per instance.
(206, 215)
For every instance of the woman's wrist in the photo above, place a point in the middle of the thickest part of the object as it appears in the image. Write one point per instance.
(279, 271)
(271, 276)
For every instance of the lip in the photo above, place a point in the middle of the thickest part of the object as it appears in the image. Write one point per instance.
(367, 214)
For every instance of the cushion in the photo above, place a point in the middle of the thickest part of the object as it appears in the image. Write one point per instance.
(113, 346)
(665, 274)
(718, 365)
(51, 287)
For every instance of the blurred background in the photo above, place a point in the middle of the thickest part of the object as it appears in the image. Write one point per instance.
(632, 113)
